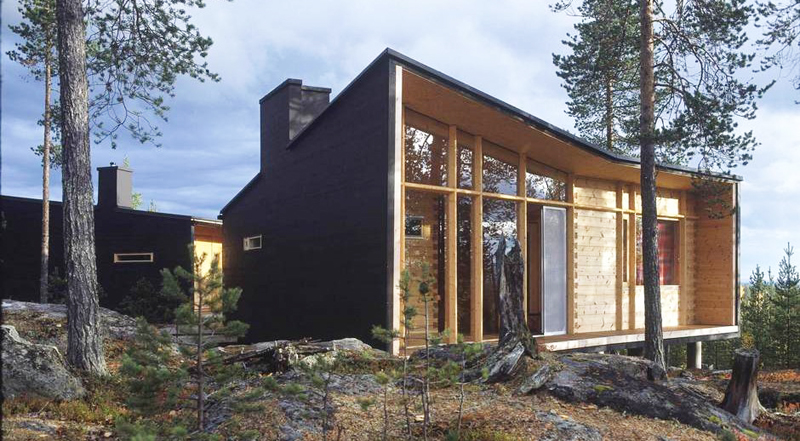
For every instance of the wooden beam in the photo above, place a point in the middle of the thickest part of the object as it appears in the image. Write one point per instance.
(451, 246)
(522, 227)
(570, 184)
(620, 260)
(476, 304)
(398, 209)
(632, 260)
(683, 263)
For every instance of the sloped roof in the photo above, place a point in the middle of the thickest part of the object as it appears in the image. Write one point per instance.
(484, 98)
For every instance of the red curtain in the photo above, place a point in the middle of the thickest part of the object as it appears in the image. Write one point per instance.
(666, 253)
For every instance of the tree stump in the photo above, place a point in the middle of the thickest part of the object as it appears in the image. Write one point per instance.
(515, 340)
(741, 397)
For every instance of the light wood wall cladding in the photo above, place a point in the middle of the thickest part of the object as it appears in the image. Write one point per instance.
(670, 305)
(689, 285)
(715, 244)
(595, 265)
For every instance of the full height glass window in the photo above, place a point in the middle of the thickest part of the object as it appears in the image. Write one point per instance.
(499, 169)
(425, 150)
(499, 219)
(464, 264)
(425, 258)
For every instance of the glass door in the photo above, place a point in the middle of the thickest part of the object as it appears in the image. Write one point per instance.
(554, 270)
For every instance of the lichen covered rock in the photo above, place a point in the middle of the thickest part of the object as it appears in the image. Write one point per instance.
(31, 369)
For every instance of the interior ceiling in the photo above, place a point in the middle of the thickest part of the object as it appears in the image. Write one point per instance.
(455, 108)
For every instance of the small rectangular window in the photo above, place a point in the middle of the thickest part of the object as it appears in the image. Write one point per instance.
(133, 257)
(252, 243)
(414, 228)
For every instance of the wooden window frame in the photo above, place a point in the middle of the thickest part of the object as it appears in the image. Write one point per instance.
(149, 259)
(248, 247)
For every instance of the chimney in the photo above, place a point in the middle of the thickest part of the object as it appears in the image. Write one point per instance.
(115, 187)
(285, 112)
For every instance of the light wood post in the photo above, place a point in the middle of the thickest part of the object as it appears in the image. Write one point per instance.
(570, 190)
(632, 259)
(683, 261)
(451, 246)
(398, 209)
(694, 355)
(620, 261)
(476, 327)
(522, 228)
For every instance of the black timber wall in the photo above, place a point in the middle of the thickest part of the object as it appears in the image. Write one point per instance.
(117, 230)
(321, 208)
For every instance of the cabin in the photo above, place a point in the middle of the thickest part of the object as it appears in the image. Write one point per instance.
(130, 244)
(408, 168)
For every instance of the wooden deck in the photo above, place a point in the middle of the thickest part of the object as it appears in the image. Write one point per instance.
(605, 340)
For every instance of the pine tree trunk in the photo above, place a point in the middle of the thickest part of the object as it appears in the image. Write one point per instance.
(609, 117)
(45, 262)
(741, 396)
(515, 341)
(653, 340)
(84, 336)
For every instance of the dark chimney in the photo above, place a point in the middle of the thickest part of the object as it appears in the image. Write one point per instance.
(115, 187)
(285, 112)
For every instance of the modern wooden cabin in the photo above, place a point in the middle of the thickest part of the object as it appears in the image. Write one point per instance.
(408, 165)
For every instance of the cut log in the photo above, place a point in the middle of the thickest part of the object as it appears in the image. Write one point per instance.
(741, 397)
(515, 340)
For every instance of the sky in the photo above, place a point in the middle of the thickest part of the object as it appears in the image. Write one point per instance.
(210, 144)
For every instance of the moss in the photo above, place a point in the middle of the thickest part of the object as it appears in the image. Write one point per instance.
(600, 388)
(750, 433)
(715, 419)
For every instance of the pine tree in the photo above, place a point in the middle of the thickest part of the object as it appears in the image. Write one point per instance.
(757, 315)
(601, 75)
(786, 312)
(691, 95)
(203, 315)
(136, 52)
(37, 52)
(782, 37)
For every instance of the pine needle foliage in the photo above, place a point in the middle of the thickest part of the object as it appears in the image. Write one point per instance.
(203, 315)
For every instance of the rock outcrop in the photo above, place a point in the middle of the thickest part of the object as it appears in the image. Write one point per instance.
(621, 383)
(32, 369)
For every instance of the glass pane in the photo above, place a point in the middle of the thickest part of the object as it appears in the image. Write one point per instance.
(499, 170)
(499, 219)
(465, 161)
(667, 252)
(544, 187)
(426, 252)
(554, 269)
(464, 265)
(425, 156)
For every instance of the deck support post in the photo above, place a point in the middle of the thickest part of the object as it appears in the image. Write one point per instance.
(694, 355)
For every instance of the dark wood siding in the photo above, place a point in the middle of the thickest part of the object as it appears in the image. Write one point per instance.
(321, 208)
(116, 230)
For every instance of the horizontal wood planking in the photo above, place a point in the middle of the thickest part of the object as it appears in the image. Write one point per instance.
(714, 278)
(595, 263)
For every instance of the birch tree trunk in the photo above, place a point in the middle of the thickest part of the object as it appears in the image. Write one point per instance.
(45, 261)
(84, 336)
(653, 336)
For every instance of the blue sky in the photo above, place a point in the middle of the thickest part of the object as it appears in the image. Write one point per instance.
(210, 143)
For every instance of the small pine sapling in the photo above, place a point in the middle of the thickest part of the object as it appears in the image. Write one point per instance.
(204, 314)
(320, 371)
